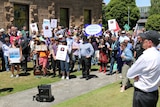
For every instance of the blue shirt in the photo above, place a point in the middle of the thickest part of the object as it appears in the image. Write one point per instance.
(86, 49)
(128, 55)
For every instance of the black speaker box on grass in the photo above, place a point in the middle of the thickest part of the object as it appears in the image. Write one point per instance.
(44, 94)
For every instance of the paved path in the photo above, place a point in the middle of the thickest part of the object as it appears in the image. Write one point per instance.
(62, 90)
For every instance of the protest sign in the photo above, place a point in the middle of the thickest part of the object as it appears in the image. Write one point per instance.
(61, 52)
(93, 29)
(46, 21)
(47, 30)
(14, 55)
(112, 24)
(34, 27)
(53, 23)
(41, 48)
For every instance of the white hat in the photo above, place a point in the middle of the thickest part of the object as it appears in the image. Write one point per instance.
(123, 32)
(106, 35)
(2, 30)
(60, 36)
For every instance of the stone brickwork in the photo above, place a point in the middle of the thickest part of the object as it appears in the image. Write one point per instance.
(48, 9)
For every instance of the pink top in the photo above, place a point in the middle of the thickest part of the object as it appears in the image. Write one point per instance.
(13, 37)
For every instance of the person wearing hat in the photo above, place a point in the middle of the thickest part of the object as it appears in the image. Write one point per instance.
(146, 72)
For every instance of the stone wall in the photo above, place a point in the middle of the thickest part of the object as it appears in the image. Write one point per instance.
(40, 9)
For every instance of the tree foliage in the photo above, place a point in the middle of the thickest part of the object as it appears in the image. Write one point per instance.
(154, 9)
(153, 22)
(118, 9)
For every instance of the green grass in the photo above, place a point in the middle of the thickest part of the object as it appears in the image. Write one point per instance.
(25, 82)
(108, 96)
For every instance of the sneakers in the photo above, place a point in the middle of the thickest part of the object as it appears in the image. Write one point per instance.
(67, 78)
(12, 76)
(63, 78)
(17, 76)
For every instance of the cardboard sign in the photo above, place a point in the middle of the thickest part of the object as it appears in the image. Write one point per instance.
(41, 48)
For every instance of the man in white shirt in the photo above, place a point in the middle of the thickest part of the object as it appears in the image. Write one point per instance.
(146, 72)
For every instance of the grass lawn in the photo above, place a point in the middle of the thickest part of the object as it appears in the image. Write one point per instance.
(108, 96)
(10, 85)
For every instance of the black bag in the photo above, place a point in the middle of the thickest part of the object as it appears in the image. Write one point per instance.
(37, 71)
(44, 94)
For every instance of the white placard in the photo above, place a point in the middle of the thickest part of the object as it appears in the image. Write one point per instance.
(34, 27)
(53, 23)
(14, 55)
(61, 52)
(112, 24)
(93, 29)
(47, 30)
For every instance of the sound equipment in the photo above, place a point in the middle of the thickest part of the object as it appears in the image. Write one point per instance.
(45, 94)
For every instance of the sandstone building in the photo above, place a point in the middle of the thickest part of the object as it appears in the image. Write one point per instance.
(68, 12)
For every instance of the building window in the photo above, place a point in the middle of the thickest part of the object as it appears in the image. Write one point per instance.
(64, 17)
(21, 15)
(87, 16)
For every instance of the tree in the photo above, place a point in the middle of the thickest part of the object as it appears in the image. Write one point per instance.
(153, 22)
(154, 9)
(118, 9)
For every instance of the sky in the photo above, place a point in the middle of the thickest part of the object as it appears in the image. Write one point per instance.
(139, 3)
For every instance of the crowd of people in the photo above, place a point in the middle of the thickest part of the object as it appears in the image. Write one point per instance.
(120, 50)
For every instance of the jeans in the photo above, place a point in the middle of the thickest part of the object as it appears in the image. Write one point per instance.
(95, 58)
(64, 66)
(6, 62)
(113, 59)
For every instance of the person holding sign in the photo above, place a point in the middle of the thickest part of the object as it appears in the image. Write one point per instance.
(15, 57)
(43, 57)
(65, 63)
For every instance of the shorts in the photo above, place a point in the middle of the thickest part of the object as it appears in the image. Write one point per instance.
(43, 62)
(13, 64)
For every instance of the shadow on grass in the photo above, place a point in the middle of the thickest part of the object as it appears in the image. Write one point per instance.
(6, 90)
(29, 69)
(24, 74)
